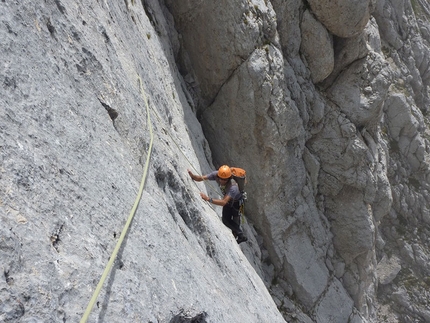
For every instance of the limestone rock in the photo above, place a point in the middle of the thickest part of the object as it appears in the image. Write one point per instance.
(71, 168)
(317, 47)
(387, 269)
(334, 297)
(309, 282)
(361, 89)
(343, 18)
(338, 165)
(353, 227)
(288, 25)
(224, 27)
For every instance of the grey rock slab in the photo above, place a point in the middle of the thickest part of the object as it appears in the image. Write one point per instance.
(334, 297)
(317, 47)
(387, 269)
(343, 18)
(306, 273)
(74, 140)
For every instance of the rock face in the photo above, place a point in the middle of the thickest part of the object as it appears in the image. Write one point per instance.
(74, 140)
(324, 104)
(317, 47)
(343, 18)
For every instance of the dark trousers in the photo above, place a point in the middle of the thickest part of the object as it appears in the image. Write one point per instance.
(231, 218)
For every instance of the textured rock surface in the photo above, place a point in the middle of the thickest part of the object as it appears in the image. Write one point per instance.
(324, 104)
(338, 164)
(317, 47)
(70, 174)
(343, 18)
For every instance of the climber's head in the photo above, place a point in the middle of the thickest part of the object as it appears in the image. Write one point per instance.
(224, 172)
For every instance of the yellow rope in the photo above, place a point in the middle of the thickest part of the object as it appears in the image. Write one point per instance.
(130, 217)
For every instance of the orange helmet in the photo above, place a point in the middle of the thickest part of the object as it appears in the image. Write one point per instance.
(224, 172)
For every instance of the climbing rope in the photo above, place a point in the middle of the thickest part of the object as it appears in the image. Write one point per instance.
(130, 217)
(136, 203)
(211, 187)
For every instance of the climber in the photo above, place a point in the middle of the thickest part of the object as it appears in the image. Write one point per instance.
(230, 202)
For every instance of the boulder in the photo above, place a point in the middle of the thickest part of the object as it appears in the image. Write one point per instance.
(343, 18)
(317, 47)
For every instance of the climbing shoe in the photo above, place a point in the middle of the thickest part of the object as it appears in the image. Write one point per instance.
(242, 239)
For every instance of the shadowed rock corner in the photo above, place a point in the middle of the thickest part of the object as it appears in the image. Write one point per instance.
(113, 114)
(187, 318)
